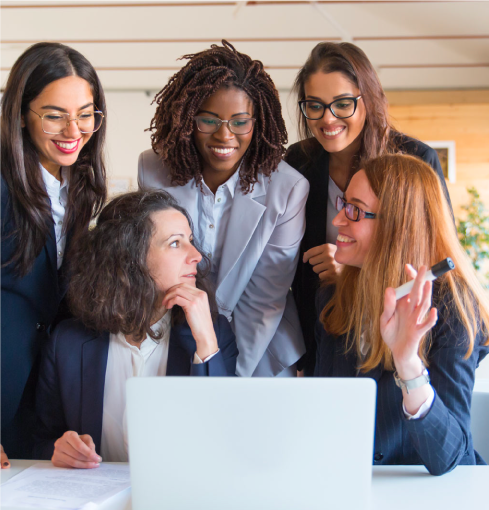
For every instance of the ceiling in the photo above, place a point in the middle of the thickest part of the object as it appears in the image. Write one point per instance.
(135, 45)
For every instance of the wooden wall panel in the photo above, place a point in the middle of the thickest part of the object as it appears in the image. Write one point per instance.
(465, 123)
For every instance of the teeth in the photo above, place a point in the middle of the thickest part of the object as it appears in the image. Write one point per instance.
(344, 239)
(222, 151)
(66, 145)
(332, 133)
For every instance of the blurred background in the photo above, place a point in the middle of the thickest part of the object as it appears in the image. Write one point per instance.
(432, 59)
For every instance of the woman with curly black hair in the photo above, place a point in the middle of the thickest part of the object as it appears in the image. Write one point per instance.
(138, 294)
(217, 146)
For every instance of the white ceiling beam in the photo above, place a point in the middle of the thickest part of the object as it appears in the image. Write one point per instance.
(345, 35)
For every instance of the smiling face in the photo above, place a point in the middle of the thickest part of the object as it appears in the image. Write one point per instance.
(67, 95)
(355, 237)
(172, 258)
(335, 135)
(222, 151)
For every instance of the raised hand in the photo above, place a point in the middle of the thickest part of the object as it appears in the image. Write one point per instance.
(195, 304)
(403, 324)
(72, 450)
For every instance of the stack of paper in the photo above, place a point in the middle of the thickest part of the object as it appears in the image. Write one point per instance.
(45, 486)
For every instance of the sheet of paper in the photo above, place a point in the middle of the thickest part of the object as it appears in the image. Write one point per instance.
(45, 486)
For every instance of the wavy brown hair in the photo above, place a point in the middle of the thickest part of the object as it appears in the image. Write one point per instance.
(412, 206)
(180, 100)
(37, 67)
(111, 288)
(378, 136)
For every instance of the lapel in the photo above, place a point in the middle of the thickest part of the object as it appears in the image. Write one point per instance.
(350, 366)
(51, 253)
(187, 196)
(246, 213)
(63, 276)
(317, 202)
(181, 350)
(95, 352)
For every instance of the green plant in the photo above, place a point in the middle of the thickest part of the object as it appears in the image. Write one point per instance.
(473, 232)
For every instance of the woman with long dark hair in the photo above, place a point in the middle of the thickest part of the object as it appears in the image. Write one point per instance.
(218, 141)
(141, 309)
(422, 358)
(343, 120)
(53, 183)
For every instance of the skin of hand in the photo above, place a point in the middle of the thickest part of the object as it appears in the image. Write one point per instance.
(4, 459)
(403, 324)
(195, 304)
(74, 451)
(322, 261)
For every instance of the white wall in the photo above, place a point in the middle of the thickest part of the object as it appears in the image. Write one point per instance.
(128, 115)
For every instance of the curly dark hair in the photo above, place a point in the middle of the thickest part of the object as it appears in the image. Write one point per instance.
(179, 101)
(111, 288)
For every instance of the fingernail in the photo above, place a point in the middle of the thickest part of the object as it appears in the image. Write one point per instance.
(410, 266)
(99, 459)
(6, 464)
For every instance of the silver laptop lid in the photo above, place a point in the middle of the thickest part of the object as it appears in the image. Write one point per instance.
(249, 444)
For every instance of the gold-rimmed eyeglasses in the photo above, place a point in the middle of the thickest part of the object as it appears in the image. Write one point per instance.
(54, 123)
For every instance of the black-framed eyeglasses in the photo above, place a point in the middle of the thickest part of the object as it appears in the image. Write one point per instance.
(211, 125)
(352, 212)
(54, 123)
(341, 108)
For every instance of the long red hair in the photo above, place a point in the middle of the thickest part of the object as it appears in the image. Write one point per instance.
(414, 225)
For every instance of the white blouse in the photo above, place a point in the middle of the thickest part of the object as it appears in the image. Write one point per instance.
(58, 194)
(126, 361)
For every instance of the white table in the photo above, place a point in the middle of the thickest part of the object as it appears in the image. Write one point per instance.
(393, 488)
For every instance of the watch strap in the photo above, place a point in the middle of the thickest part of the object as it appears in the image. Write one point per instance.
(412, 384)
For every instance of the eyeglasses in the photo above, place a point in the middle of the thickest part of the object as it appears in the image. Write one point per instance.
(212, 125)
(352, 212)
(341, 108)
(54, 123)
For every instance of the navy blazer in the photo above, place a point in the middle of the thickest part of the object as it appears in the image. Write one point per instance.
(316, 170)
(29, 306)
(70, 391)
(441, 440)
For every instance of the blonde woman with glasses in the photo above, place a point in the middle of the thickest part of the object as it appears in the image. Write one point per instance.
(422, 349)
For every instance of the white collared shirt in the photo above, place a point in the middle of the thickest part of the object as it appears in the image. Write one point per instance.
(214, 212)
(58, 194)
(125, 361)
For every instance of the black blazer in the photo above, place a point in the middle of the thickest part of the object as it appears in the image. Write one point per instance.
(70, 391)
(316, 169)
(29, 306)
(440, 440)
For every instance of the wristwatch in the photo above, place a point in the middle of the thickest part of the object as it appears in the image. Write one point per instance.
(412, 384)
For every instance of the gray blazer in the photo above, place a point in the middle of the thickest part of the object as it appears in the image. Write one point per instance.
(258, 263)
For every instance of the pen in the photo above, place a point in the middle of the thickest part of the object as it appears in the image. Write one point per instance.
(437, 270)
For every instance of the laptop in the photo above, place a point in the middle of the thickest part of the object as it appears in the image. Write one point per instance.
(250, 443)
